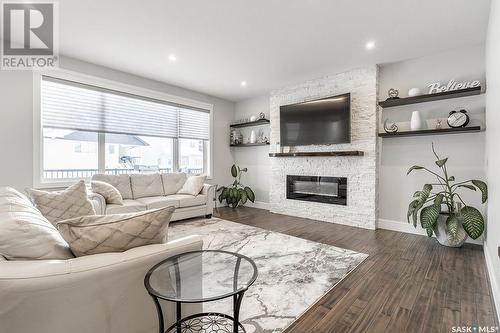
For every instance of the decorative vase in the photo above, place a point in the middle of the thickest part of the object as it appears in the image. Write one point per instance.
(253, 137)
(414, 92)
(416, 121)
(442, 235)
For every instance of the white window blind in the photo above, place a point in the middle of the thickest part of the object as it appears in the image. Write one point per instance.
(70, 105)
(193, 124)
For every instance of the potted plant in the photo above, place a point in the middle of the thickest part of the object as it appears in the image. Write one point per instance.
(443, 212)
(236, 193)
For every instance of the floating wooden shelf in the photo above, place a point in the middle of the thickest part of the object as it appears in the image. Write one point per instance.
(432, 132)
(251, 123)
(250, 145)
(430, 97)
(319, 153)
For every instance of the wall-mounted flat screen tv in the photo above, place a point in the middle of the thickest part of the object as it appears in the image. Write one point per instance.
(319, 122)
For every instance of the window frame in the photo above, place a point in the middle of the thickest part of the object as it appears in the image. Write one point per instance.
(41, 182)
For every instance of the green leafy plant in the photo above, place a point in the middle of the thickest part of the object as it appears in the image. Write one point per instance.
(445, 193)
(236, 193)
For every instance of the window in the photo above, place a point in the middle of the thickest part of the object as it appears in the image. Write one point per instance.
(88, 130)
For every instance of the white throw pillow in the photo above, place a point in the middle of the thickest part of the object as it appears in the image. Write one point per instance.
(173, 182)
(108, 191)
(26, 235)
(193, 185)
(146, 185)
(115, 233)
(62, 205)
(120, 182)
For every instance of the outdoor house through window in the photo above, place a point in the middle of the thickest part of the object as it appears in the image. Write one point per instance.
(88, 130)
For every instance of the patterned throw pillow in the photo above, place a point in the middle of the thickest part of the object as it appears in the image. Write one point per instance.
(108, 191)
(62, 205)
(117, 232)
(193, 185)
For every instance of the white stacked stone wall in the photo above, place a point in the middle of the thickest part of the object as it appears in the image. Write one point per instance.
(361, 171)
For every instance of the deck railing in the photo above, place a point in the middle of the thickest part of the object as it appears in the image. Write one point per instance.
(88, 173)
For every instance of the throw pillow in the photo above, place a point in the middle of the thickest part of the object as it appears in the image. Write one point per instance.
(115, 233)
(108, 191)
(26, 235)
(146, 185)
(193, 185)
(120, 182)
(173, 182)
(62, 205)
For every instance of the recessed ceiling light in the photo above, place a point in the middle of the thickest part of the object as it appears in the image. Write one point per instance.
(370, 45)
(243, 83)
(172, 58)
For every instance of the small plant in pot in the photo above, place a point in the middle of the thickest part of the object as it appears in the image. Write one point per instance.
(236, 193)
(443, 212)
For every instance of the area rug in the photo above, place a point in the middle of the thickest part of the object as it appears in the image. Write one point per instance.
(294, 273)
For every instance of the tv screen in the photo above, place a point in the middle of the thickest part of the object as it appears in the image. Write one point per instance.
(319, 122)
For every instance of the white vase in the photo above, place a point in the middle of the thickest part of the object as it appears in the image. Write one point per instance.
(414, 92)
(253, 138)
(416, 121)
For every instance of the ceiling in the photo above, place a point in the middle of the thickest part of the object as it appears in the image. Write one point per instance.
(267, 43)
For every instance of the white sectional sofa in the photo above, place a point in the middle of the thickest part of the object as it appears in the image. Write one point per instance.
(50, 291)
(148, 191)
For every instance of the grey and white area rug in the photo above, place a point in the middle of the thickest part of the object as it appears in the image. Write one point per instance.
(294, 273)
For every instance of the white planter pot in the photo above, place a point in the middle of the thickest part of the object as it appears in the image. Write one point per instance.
(416, 121)
(442, 234)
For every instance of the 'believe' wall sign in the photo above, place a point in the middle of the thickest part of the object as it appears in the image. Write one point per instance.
(452, 85)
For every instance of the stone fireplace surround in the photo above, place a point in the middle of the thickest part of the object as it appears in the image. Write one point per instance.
(360, 171)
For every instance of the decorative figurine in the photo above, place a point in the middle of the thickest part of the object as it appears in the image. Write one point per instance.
(439, 123)
(262, 115)
(393, 94)
(392, 128)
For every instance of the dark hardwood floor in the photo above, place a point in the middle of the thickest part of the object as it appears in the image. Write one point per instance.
(409, 283)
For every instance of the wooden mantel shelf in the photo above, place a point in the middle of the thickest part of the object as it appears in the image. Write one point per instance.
(319, 153)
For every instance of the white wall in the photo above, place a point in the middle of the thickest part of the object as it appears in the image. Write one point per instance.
(256, 159)
(492, 150)
(16, 128)
(465, 152)
(16, 124)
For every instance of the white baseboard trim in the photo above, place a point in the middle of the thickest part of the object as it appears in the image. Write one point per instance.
(495, 288)
(258, 204)
(409, 229)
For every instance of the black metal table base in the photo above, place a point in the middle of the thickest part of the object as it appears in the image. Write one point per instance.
(207, 322)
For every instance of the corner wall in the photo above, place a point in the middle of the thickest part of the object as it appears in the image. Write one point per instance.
(492, 242)
(361, 172)
(256, 159)
(466, 152)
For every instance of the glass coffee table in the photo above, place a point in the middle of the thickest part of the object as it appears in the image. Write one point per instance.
(199, 277)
